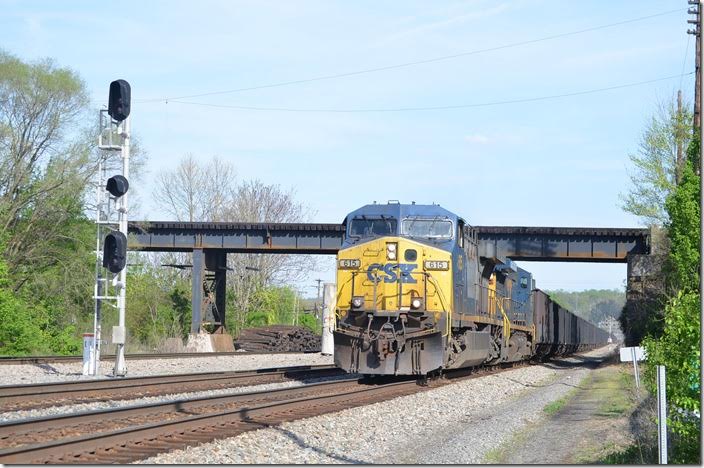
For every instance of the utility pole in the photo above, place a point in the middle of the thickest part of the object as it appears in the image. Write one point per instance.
(697, 9)
(700, 28)
(318, 306)
(694, 10)
(318, 281)
(678, 138)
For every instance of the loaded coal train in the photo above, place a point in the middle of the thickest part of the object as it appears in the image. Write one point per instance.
(418, 292)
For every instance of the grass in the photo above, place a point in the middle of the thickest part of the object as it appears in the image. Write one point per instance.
(554, 407)
(499, 454)
(631, 455)
(613, 390)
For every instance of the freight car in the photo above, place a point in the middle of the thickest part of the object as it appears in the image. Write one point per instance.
(417, 292)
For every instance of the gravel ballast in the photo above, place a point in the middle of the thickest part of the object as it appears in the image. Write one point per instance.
(101, 405)
(456, 423)
(16, 374)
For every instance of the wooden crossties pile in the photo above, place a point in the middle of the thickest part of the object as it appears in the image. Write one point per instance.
(278, 338)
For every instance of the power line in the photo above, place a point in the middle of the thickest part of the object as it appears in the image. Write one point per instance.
(434, 108)
(684, 61)
(417, 62)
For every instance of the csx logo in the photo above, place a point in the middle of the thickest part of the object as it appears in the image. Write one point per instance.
(392, 272)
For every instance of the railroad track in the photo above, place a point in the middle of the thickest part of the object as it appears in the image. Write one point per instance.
(34, 396)
(10, 360)
(131, 433)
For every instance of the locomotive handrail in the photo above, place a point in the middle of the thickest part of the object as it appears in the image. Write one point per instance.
(442, 302)
(507, 322)
(493, 299)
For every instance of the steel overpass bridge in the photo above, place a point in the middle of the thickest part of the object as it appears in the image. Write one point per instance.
(211, 242)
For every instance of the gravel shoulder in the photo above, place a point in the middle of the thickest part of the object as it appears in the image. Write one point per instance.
(592, 422)
(458, 423)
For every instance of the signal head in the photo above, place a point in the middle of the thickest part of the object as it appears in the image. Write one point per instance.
(117, 185)
(115, 252)
(119, 100)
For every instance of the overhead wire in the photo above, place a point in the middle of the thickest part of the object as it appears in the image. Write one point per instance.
(433, 108)
(684, 60)
(414, 63)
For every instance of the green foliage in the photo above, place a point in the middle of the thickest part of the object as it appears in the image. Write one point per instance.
(29, 329)
(258, 319)
(655, 163)
(683, 231)
(21, 331)
(156, 306)
(593, 305)
(310, 322)
(278, 305)
(678, 349)
(677, 346)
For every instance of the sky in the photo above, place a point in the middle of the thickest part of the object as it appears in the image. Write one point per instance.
(344, 141)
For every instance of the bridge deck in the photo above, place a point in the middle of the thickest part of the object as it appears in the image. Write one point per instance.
(561, 244)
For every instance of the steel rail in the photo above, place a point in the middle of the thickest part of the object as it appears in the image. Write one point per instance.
(46, 394)
(139, 441)
(183, 406)
(62, 448)
(10, 360)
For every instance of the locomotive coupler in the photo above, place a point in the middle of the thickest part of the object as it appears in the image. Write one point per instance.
(389, 341)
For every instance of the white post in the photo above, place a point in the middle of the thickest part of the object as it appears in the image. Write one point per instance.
(662, 416)
(635, 367)
(327, 345)
(88, 354)
(119, 331)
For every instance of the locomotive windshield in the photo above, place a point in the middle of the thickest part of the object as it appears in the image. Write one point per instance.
(370, 227)
(435, 228)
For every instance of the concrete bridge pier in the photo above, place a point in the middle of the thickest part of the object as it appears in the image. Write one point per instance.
(208, 302)
(645, 287)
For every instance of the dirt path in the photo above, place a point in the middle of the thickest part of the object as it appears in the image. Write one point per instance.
(489, 434)
(587, 424)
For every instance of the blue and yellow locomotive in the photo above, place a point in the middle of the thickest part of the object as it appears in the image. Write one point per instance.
(417, 292)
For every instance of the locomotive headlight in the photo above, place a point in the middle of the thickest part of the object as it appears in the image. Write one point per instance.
(357, 302)
(416, 303)
(349, 263)
(436, 265)
(391, 251)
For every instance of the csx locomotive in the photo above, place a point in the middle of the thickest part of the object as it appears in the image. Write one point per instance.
(417, 292)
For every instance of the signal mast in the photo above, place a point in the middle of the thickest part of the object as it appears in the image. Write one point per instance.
(111, 214)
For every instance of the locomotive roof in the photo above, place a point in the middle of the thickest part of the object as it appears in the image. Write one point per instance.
(401, 211)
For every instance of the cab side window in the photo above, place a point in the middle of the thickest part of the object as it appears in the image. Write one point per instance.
(460, 234)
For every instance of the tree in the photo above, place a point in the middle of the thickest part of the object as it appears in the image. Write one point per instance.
(683, 229)
(677, 343)
(257, 202)
(658, 162)
(197, 191)
(44, 161)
